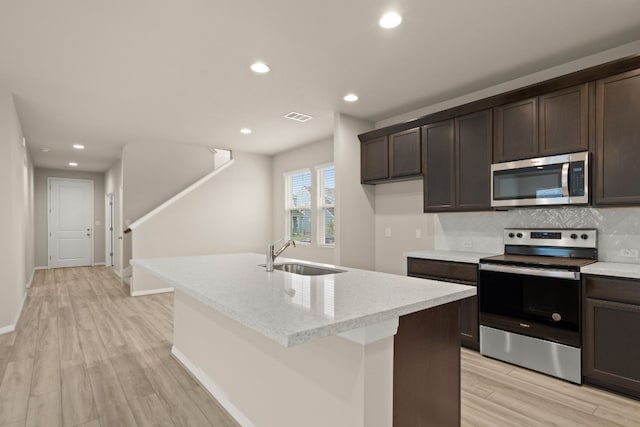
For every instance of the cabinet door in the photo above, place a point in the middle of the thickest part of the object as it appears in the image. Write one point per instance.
(612, 345)
(469, 333)
(618, 140)
(516, 131)
(563, 121)
(439, 166)
(404, 153)
(474, 138)
(374, 158)
(457, 272)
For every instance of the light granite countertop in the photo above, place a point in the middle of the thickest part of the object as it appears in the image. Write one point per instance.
(614, 269)
(442, 255)
(292, 309)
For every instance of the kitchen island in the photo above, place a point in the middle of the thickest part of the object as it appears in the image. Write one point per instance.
(355, 348)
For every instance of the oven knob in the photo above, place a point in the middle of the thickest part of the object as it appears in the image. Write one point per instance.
(584, 237)
(574, 236)
(511, 235)
(556, 317)
(519, 235)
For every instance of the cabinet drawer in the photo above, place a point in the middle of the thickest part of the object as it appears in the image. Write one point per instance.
(446, 270)
(612, 289)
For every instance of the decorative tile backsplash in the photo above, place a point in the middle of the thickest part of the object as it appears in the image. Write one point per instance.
(618, 228)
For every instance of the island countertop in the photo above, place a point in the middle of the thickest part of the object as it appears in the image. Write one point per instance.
(292, 309)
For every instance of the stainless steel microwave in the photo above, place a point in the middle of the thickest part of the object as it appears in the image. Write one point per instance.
(543, 181)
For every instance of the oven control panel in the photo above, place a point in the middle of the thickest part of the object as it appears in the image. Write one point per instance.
(564, 238)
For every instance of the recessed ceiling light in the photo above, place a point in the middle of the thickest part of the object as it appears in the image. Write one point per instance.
(44, 150)
(352, 97)
(390, 20)
(73, 164)
(260, 67)
(78, 146)
(245, 131)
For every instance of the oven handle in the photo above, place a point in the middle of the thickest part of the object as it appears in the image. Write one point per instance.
(529, 271)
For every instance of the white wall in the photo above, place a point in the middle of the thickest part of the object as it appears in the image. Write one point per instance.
(41, 216)
(398, 206)
(16, 215)
(307, 156)
(113, 184)
(355, 225)
(399, 219)
(231, 212)
(153, 173)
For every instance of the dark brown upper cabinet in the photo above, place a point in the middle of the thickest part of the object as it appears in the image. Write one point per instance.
(456, 163)
(390, 158)
(549, 124)
(473, 143)
(374, 158)
(404, 153)
(617, 140)
(516, 130)
(439, 169)
(563, 121)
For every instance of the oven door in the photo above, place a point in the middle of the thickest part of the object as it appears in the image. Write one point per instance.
(537, 302)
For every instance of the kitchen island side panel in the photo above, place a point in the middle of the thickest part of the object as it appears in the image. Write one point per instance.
(426, 374)
(328, 381)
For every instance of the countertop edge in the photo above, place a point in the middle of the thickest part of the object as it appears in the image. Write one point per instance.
(613, 269)
(444, 255)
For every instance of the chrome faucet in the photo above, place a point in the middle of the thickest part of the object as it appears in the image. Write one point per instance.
(272, 254)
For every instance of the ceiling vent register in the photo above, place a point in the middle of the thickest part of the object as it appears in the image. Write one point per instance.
(298, 117)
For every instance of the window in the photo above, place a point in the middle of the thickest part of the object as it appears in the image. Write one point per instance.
(310, 201)
(298, 205)
(326, 205)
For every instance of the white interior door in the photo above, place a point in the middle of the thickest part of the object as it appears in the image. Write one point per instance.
(70, 222)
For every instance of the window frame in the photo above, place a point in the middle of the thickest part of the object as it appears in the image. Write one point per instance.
(321, 206)
(288, 206)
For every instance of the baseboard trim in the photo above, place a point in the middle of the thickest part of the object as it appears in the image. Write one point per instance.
(151, 292)
(211, 386)
(97, 264)
(30, 282)
(115, 270)
(11, 328)
(42, 267)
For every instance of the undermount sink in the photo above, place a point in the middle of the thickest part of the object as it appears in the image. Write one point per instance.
(305, 269)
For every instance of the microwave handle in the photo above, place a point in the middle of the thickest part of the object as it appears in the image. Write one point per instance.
(565, 179)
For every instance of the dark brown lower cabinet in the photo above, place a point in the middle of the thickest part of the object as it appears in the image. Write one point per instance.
(457, 272)
(611, 353)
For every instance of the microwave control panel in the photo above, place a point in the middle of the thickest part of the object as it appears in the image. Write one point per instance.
(576, 179)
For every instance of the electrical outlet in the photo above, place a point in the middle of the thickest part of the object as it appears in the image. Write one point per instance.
(467, 244)
(387, 232)
(418, 233)
(633, 253)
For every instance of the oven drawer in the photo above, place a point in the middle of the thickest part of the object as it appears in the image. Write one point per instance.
(531, 329)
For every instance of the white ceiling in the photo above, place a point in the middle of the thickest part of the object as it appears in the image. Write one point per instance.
(108, 73)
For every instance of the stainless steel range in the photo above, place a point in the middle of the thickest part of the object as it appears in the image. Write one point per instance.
(530, 299)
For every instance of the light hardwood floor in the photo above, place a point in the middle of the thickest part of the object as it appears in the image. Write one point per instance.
(86, 354)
